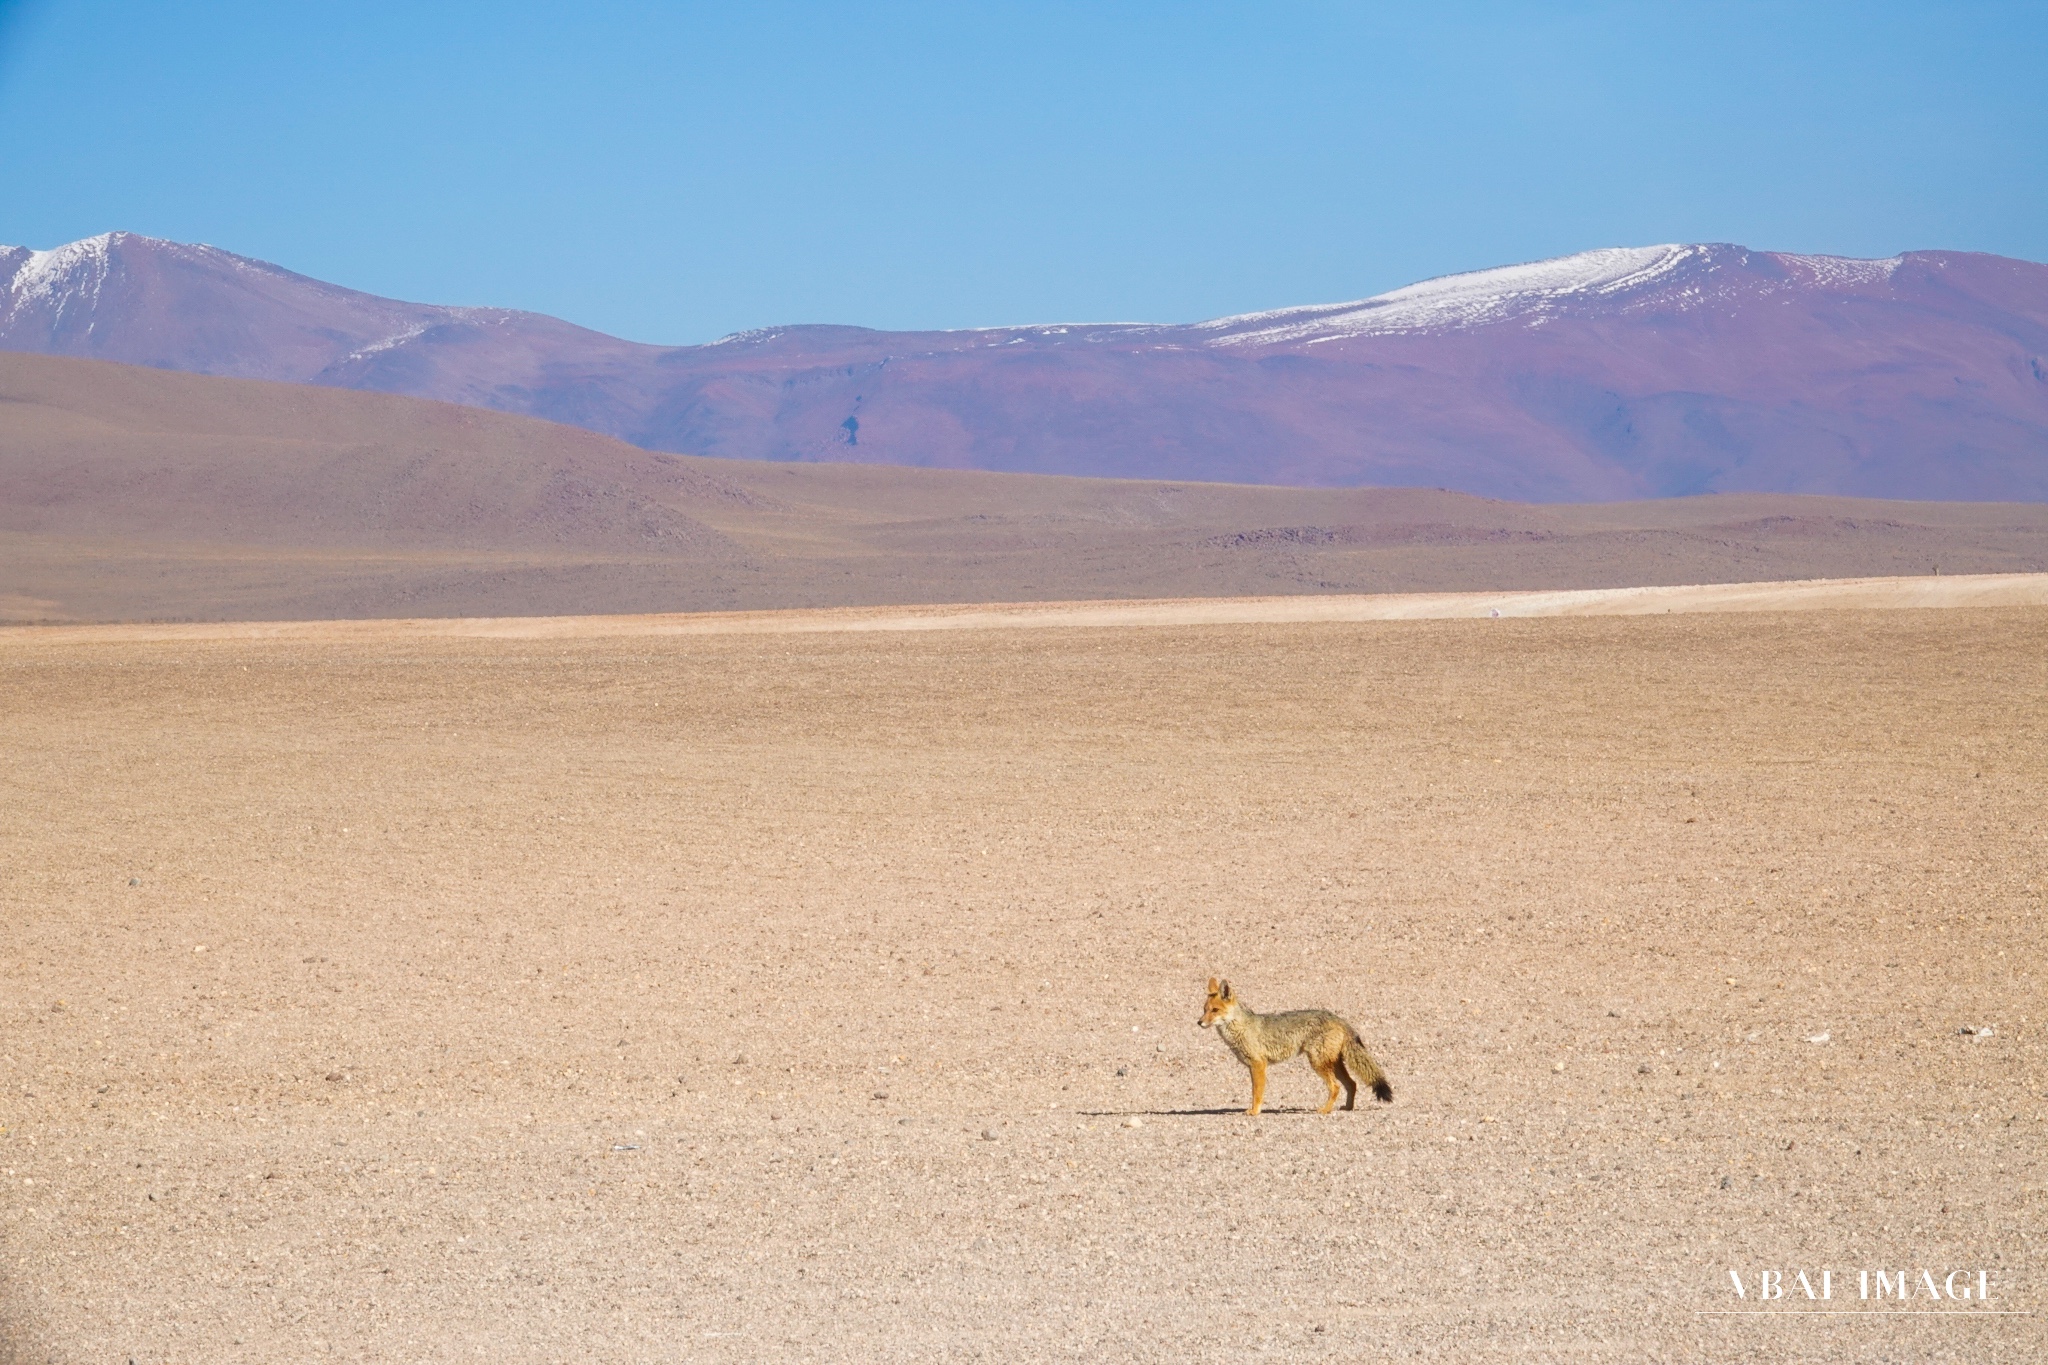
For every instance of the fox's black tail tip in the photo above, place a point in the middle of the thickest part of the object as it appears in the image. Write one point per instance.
(1383, 1092)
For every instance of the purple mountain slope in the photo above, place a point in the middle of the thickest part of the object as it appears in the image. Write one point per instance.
(1621, 373)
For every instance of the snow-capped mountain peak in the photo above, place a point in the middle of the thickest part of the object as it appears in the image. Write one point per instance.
(74, 271)
(1672, 274)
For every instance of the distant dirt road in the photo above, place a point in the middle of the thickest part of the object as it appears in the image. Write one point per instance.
(1970, 590)
(539, 991)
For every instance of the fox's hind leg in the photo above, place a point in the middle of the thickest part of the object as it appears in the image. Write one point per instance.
(1350, 1083)
(1326, 1067)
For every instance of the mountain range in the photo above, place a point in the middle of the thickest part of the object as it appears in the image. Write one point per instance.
(1609, 375)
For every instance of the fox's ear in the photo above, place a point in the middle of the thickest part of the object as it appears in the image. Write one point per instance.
(1226, 990)
(1212, 985)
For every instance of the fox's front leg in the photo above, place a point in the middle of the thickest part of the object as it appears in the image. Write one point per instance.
(1258, 1086)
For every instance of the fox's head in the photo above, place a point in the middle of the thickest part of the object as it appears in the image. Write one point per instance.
(1220, 1004)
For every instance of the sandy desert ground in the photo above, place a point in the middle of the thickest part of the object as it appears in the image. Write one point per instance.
(375, 994)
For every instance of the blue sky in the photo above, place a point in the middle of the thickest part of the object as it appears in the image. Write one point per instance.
(675, 172)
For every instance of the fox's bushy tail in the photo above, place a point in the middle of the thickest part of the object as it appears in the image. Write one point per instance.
(1366, 1071)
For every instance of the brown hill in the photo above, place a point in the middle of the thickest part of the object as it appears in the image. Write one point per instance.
(130, 493)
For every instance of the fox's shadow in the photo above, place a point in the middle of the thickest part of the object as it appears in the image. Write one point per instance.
(1194, 1113)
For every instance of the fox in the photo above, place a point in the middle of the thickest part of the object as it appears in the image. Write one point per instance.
(1332, 1046)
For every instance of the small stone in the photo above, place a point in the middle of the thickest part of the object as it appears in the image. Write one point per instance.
(135, 881)
(1134, 1122)
(1557, 1066)
(1159, 1047)
(881, 1094)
